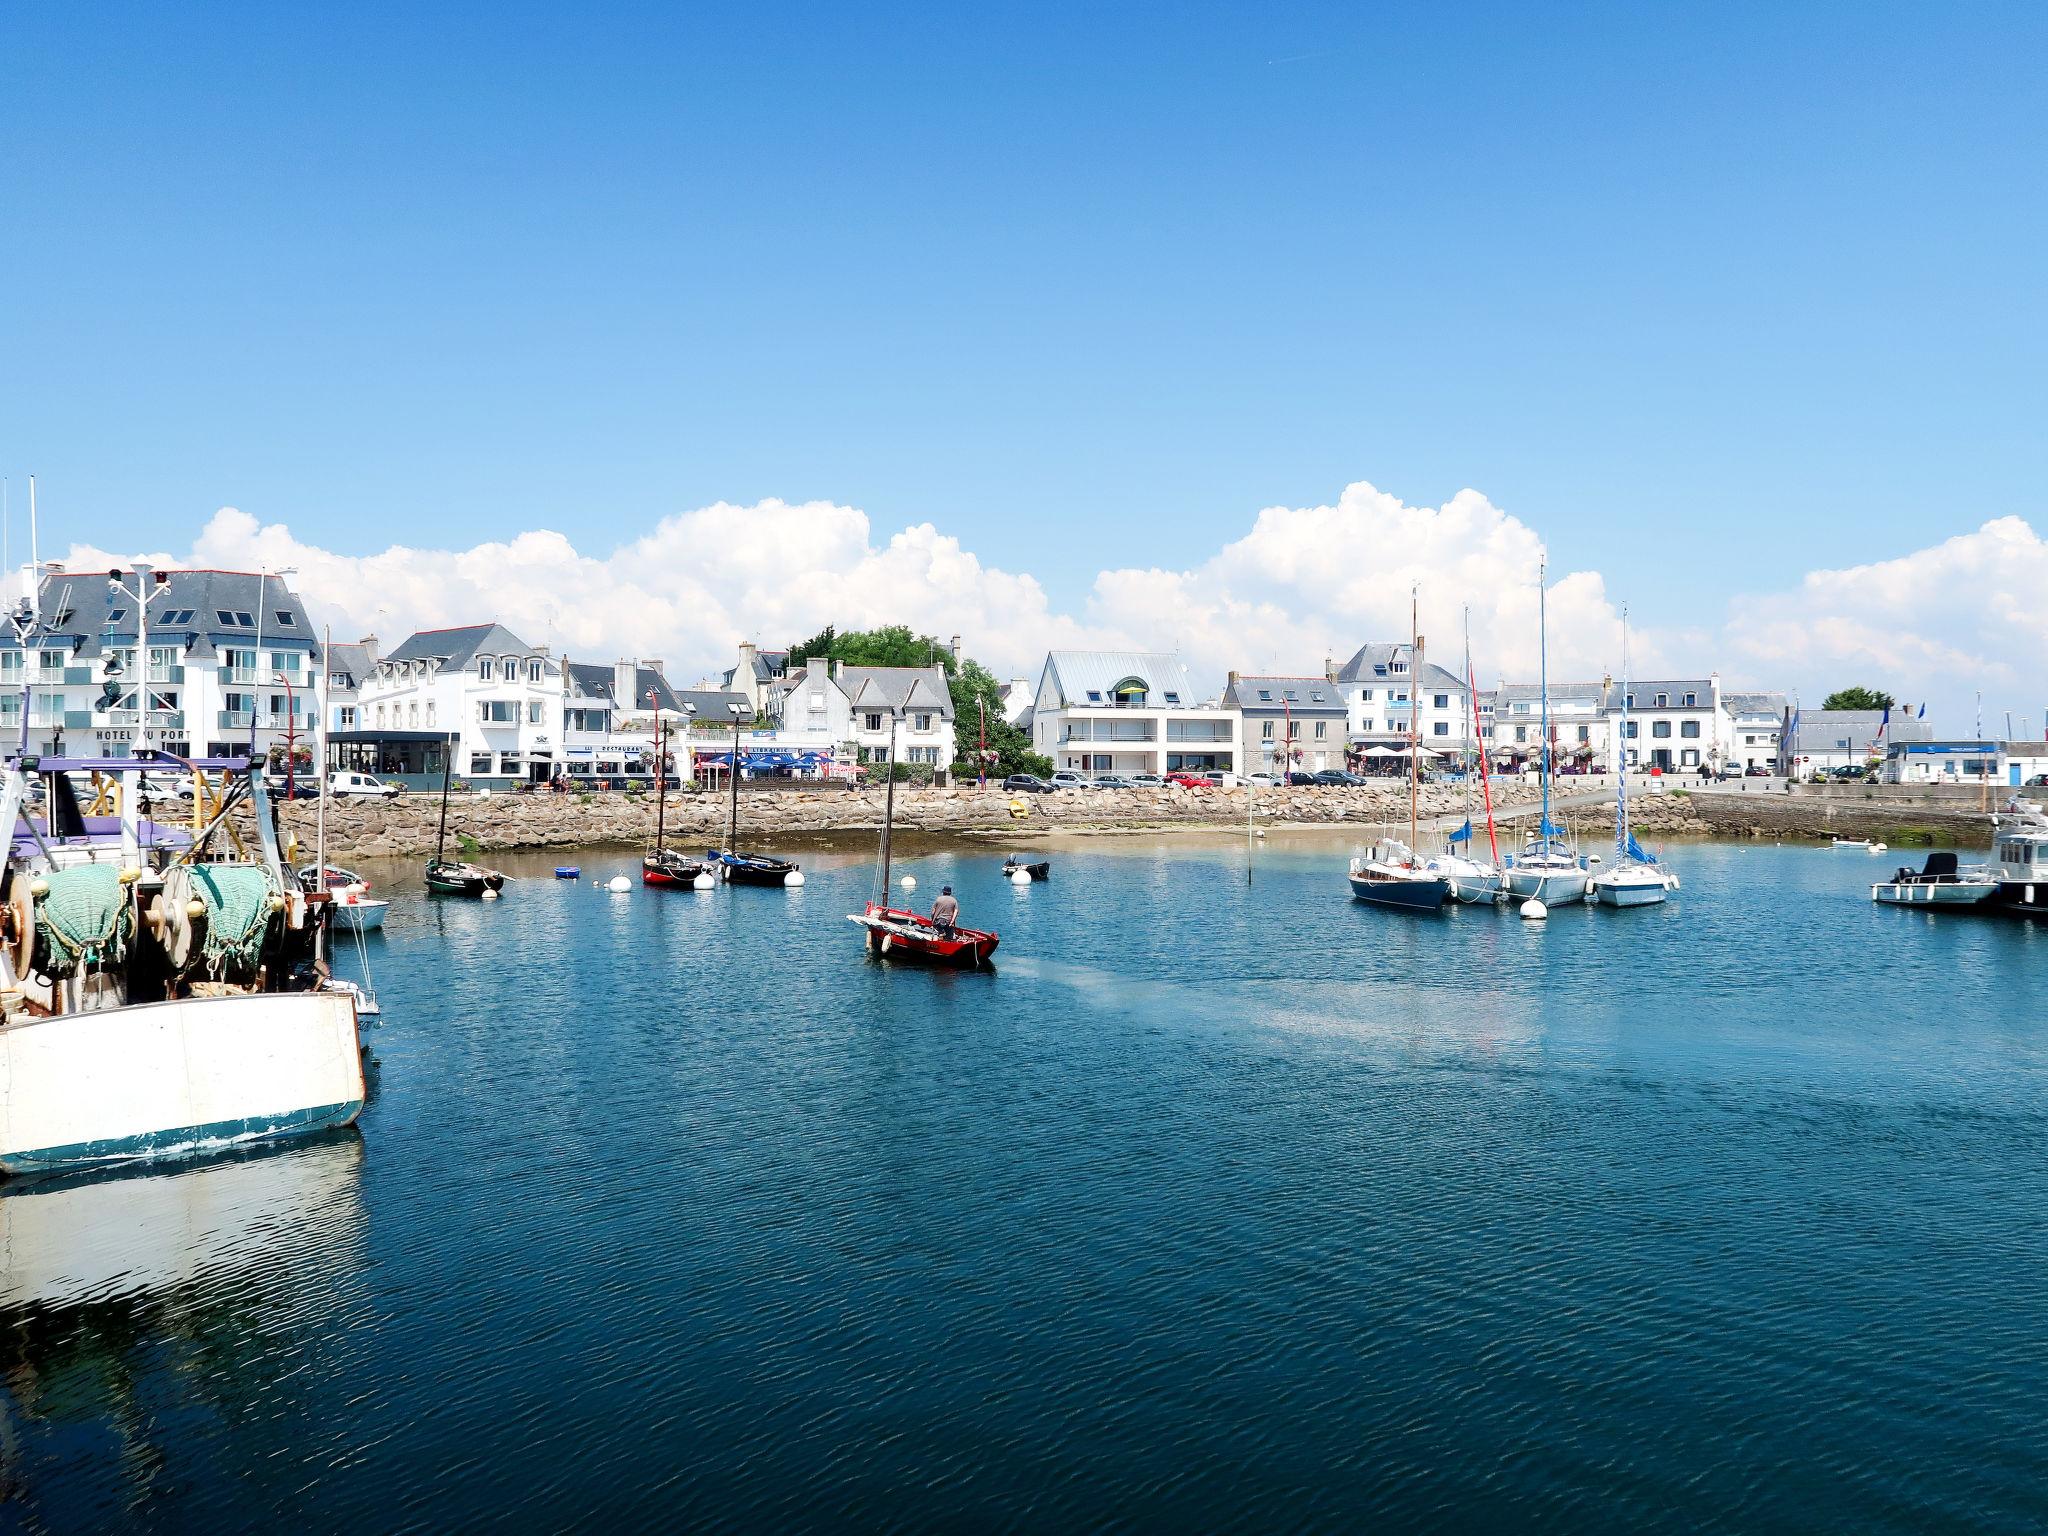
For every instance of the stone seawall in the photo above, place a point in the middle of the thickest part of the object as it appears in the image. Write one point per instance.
(377, 828)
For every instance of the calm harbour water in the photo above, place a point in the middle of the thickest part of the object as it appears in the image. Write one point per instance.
(1213, 1209)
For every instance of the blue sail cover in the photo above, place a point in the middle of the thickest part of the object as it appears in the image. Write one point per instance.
(1463, 834)
(1635, 851)
(1550, 828)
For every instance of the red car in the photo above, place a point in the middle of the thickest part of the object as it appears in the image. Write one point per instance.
(1189, 781)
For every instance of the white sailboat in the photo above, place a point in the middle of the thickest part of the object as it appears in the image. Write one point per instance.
(1548, 867)
(1469, 878)
(1635, 878)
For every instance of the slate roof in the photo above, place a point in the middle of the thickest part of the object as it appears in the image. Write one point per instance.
(711, 705)
(186, 609)
(1075, 673)
(458, 646)
(1300, 695)
(1674, 691)
(1508, 695)
(1772, 704)
(350, 661)
(1373, 663)
(904, 688)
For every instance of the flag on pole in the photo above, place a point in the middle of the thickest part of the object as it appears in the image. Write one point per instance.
(1883, 722)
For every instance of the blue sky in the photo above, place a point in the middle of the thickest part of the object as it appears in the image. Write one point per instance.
(1707, 295)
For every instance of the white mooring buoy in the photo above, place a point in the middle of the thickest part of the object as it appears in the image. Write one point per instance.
(618, 885)
(794, 877)
(703, 882)
(1020, 877)
(1534, 910)
(908, 882)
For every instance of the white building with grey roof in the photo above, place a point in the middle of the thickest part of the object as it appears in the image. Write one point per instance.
(232, 665)
(1389, 686)
(1581, 736)
(1289, 724)
(1673, 725)
(1129, 712)
(831, 706)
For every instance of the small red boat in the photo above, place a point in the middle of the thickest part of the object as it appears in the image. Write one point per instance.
(896, 934)
(667, 867)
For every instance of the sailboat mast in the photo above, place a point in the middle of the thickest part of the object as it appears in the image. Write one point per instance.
(447, 768)
(326, 682)
(1543, 685)
(1485, 784)
(732, 831)
(889, 811)
(660, 773)
(1467, 763)
(1621, 837)
(1414, 704)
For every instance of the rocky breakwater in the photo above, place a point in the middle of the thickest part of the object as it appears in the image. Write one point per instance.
(384, 828)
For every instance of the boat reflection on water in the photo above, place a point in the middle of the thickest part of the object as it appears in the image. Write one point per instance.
(125, 1289)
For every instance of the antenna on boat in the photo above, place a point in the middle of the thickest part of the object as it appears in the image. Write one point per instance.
(32, 583)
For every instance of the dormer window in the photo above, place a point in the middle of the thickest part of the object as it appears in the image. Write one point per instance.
(1663, 700)
(533, 671)
(483, 668)
(1691, 700)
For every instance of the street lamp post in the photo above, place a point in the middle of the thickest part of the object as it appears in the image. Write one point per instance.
(145, 589)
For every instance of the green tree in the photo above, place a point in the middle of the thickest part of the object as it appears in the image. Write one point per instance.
(896, 645)
(1858, 697)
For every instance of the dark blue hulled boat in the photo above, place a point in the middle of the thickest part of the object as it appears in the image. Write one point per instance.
(1393, 877)
(752, 869)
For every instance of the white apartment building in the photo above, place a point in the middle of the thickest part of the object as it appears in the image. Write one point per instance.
(1388, 685)
(233, 665)
(1674, 725)
(498, 698)
(1581, 735)
(1128, 712)
(1754, 730)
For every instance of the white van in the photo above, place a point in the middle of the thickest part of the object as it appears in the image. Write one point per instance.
(344, 784)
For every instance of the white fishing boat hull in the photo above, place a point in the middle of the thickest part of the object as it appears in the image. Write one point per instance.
(360, 916)
(1550, 885)
(1630, 887)
(160, 1079)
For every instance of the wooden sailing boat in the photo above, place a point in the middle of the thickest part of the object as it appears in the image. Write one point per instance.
(451, 877)
(737, 868)
(663, 865)
(1393, 876)
(898, 934)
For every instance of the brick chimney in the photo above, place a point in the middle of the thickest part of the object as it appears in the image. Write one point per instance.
(369, 644)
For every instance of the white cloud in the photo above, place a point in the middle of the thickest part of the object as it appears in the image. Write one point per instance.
(1937, 624)
(1303, 584)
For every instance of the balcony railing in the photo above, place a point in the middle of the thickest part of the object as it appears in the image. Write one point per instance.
(1084, 731)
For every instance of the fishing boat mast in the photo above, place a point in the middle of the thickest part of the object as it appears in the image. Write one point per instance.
(1485, 782)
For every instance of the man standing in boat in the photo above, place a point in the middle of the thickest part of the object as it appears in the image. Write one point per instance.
(945, 911)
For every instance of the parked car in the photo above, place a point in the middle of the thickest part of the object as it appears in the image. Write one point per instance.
(1221, 779)
(1066, 778)
(1027, 783)
(1756, 772)
(2038, 781)
(344, 784)
(1191, 780)
(1147, 780)
(1336, 776)
(1300, 780)
(1109, 781)
(1263, 780)
(298, 787)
